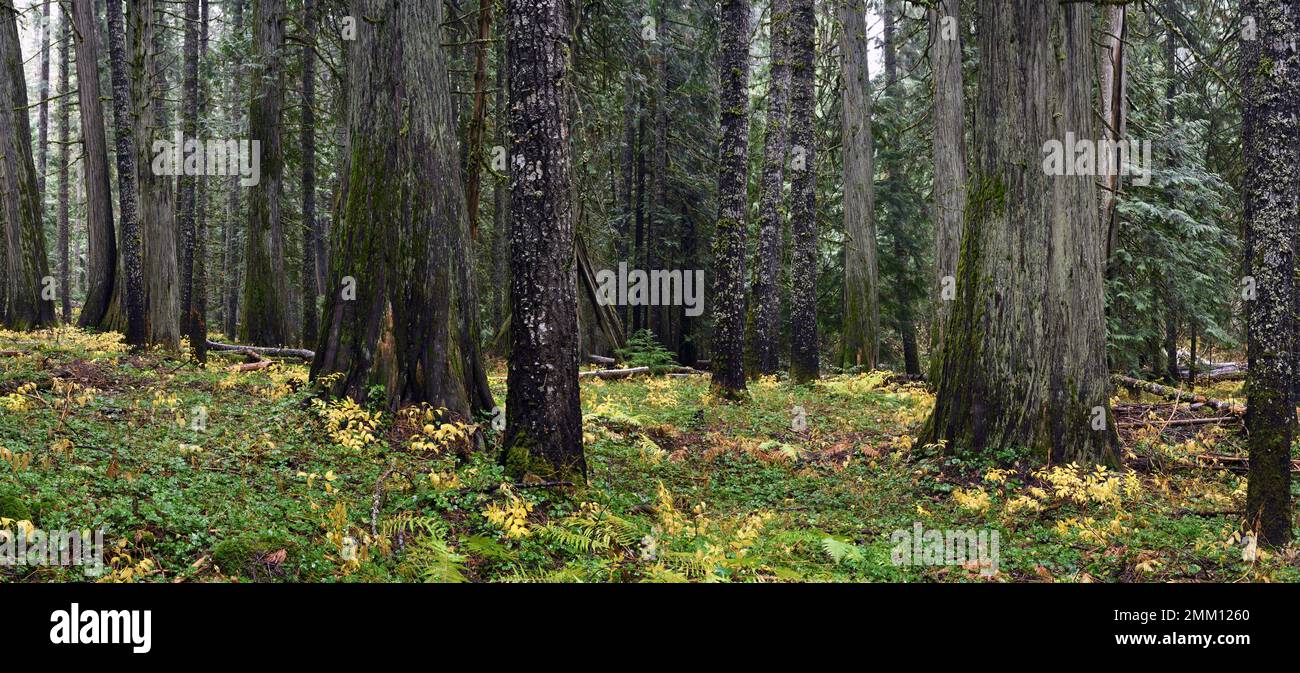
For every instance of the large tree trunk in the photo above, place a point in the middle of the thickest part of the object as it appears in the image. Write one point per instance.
(132, 295)
(198, 312)
(230, 261)
(949, 133)
(265, 293)
(543, 410)
(185, 202)
(102, 246)
(765, 338)
(1270, 101)
(24, 304)
(804, 365)
(394, 315)
(1114, 110)
(65, 130)
(728, 297)
(310, 229)
(1024, 356)
(861, 339)
(478, 119)
(157, 208)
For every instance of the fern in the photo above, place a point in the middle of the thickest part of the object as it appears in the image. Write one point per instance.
(842, 552)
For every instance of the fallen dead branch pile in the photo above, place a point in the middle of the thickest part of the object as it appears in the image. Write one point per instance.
(1179, 395)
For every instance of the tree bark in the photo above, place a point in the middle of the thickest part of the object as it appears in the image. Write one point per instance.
(949, 137)
(395, 311)
(543, 411)
(1024, 356)
(102, 240)
(185, 202)
(804, 365)
(198, 316)
(728, 296)
(765, 339)
(861, 339)
(265, 296)
(230, 261)
(65, 130)
(1271, 143)
(1114, 110)
(131, 267)
(25, 305)
(310, 229)
(43, 115)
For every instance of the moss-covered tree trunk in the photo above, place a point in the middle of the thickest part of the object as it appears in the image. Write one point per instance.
(765, 336)
(186, 184)
(861, 338)
(101, 247)
(132, 289)
(393, 312)
(157, 204)
(1271, 141)
(804, 365)
(1024, 357)
(310, 226)
(728, 296)
(949, 139)
(543, 410)
(65, 132)
(266, 302)
(23, 304)
(231, 264)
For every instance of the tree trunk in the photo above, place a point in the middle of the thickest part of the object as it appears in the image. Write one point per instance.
(185, 202)
(265, 293)
(765, 339)
(131, 267)
(26, 304)
(157, 209)
(43, 115)
(949, 134)
(310, 321)
(65, 130)
(1270, 84)
(861, 339)
(230, 262)
(394, 315)
(198, 316)
(728, 297)
(804, 364)
(543, 411)
(1114, 110)
(474, 166)
(1024, 356)
(102, 241)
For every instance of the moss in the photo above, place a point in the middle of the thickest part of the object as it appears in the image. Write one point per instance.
(13, 507)
(245, 554)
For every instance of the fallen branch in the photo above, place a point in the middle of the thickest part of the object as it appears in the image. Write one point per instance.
(1234, 463)
(1179, 395)
(264, 350)
(601, 359)
(258, 362)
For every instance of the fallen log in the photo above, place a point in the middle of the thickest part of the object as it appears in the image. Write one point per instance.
(601, 359)
(1178, 395)
(264, 350)
(633, 371)
(1178, 421)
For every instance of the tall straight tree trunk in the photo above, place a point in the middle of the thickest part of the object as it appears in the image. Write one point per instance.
(132, 265)
(394, 314)
(500, 201)
(157, 205)
(102, 246)
(902, 292)
(478, 119)
(728, 297)
(1114, 110)
(185, 203)
(765, 338)
(198, 316)
(265, 296)
(1024, 356)
(230, 262)
(43, 115)
(658, 226)
(543, 411)
(65, 130)
(804, 365)
(25, 303)
(861, 345)
(310, 229)
(949, 137)
(1270, 102)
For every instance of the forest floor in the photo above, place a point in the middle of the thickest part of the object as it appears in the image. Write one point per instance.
(220, 475)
